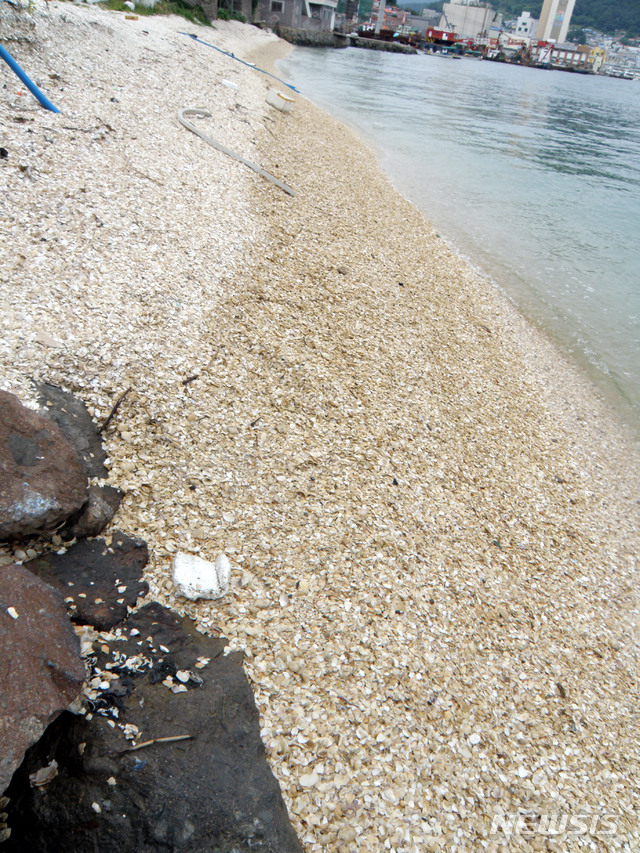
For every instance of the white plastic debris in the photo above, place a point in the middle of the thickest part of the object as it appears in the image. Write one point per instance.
(229, 84)
(281, 102)
(195, 578)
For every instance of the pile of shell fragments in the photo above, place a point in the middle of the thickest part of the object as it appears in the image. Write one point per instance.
(431, 520)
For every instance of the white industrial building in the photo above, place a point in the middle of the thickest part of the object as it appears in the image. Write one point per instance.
(469, 18)
(527, 25)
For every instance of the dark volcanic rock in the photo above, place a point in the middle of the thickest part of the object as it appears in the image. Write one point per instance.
(94, 516)
(97, 580)
(41, 671)
(213, 793)
(41, 479)
(76, 424)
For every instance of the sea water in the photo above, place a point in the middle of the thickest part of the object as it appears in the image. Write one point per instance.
(534, 175)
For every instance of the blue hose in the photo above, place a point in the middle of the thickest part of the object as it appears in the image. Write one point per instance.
(13, 65)
(248, 64)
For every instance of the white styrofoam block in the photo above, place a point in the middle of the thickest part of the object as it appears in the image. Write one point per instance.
(196, 578)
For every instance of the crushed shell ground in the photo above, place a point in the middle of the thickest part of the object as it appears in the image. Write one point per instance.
(431, 519)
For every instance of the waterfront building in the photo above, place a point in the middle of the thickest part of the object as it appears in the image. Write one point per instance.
(401, 21)
(597, 58)
(420, 23)
(299, 14)
(555, 19)
(622, 61)
(469, 18)
(562, 55)
(526, 25)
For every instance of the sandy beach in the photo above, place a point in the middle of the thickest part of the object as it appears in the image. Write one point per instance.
(432, 518)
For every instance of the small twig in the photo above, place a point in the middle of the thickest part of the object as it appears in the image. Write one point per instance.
(156, 740)
(190, 379)
(145, 176)
(113, 411)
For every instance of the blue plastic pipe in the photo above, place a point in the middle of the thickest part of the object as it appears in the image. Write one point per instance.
(13, 65)
(248, 64)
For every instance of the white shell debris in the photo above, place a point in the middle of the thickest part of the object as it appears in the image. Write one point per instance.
(12, 612)
(196, 578)
(44, 775)
(309, 780)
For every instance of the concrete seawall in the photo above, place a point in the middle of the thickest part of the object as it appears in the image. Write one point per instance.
(319, 38)
(312, 38)
(376, 44)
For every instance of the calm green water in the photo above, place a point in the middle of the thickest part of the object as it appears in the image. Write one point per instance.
(534, 175)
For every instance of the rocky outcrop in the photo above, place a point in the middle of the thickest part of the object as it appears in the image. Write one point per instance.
(172, 759)
(76, 424)
(41, 671)
(42, 481)
(98, 581)
(102, 505)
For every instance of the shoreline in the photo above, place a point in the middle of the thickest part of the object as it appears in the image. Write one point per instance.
(597, 375)
(433, 541)
(570, 376)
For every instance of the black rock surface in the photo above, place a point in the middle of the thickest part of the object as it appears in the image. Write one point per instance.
(98, 581)
(76, 424)
(213, 793)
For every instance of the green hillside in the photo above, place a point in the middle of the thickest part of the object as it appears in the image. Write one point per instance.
(606, 16)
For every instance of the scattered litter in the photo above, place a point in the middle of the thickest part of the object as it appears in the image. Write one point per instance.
(230, 85)
(281, 102)
(156, 740)
(200, 113)
(196, 578)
